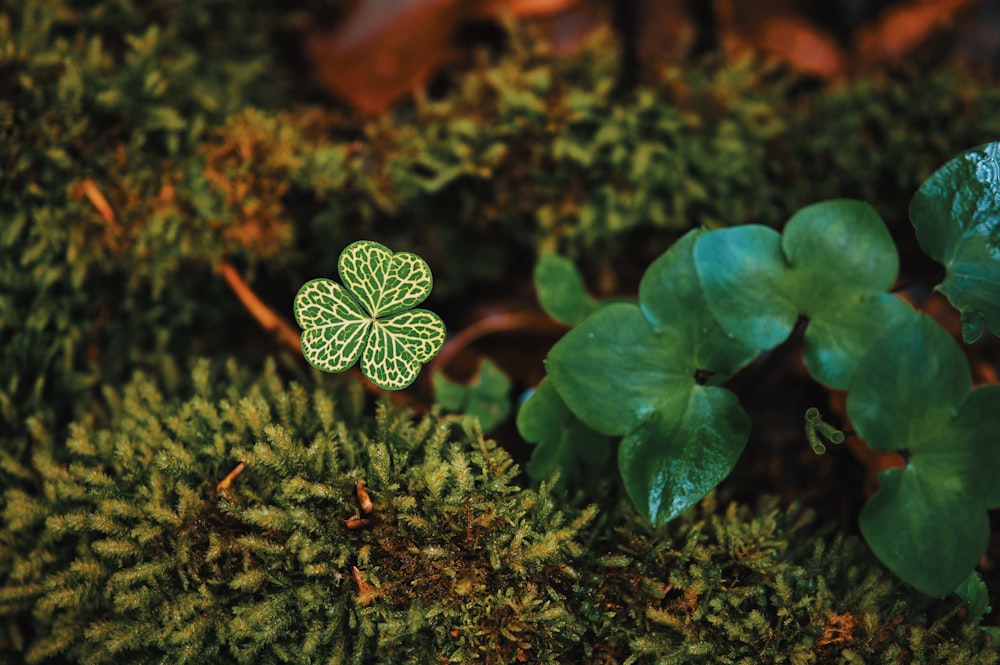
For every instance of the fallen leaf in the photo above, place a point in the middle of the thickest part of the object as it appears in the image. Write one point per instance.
(375, 56)
(777, 28)
(900, 30)
(382, 51)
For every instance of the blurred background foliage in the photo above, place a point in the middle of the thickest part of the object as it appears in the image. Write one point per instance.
(150, 151)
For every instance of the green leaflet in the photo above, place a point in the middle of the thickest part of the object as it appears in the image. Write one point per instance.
(956, 213)
(833, 263)
(631, 370)
(560, 290)
(928, 520)
(486, 397)
(370, 316)
(561, 440)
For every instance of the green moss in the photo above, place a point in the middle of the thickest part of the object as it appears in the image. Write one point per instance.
(131, 552)
(735, 584)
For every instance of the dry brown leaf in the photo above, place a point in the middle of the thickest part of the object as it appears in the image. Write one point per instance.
(803, 46)
(376, 56)
(666, 33)
(900, 30)
(566, 30)
(777, 28)
(382, 51)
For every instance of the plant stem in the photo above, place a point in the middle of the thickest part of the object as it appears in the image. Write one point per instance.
(267, 318)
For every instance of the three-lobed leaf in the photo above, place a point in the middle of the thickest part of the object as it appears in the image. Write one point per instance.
(486, 397)
(562, 441)
(632, 370)
(928, 521)
(956, 213)
(369, 316)
(561, 292)
(832, 263)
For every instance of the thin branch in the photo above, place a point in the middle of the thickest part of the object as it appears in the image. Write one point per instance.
(267, 318)
(97, 199)
(507, 322)
(227, 482)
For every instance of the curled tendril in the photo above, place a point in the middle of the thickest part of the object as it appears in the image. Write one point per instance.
(816, 426)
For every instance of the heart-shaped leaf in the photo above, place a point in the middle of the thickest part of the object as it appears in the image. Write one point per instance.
(486, 397)
(929, 536)
(633, 370)
(743, 274)
(956, 213)
(833, 264)
(560, 290)
(928, 521)
(382, 281)
(562, 441)
(369, 316)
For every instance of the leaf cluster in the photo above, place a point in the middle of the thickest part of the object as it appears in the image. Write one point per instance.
(371, 316)
(650, 371)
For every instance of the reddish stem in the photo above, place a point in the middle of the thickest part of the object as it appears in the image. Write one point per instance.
(267, 318)
(506, 322)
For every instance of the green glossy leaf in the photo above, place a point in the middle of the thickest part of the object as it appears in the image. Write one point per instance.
(930, 537)
(613, 369)
(912, 383)
(956, 213)
(836, 341)
(672, 459)
(672, 299)
(631, 370)
(979, 417)
(369, 316)
(562, 441)
(842, 260)
(486, 397)
(561, 292)
(832, 264)
(743, 275)
(835, 245)
(912, 393)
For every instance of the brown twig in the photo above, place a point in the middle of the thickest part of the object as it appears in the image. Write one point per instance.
(89, 189)
(266, 316)
(505, 322)
(227, 482)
